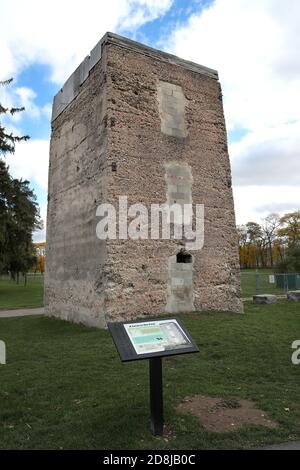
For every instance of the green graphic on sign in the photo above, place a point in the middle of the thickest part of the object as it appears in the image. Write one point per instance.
(155, 336)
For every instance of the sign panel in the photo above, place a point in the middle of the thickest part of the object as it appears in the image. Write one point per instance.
(271, 279)
(142, 339)
(156, 336)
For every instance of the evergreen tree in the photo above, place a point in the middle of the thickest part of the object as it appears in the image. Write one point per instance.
(291, 263)
(19, 212)
(8, 140)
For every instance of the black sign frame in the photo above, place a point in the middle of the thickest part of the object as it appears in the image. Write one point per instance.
(126, 350)
(127, 353)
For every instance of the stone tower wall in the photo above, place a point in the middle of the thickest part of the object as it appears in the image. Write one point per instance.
(158, 121)
(74, 278)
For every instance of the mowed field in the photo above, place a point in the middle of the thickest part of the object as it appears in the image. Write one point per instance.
(64, 387)
(13, 295)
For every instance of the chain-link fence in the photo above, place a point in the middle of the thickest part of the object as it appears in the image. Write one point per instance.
(253, 283)
(31, 278)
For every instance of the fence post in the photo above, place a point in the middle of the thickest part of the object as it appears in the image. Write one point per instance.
(257, 281)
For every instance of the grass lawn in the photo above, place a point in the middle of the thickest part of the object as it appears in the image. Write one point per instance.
(259, 270)
(64, 387)
(14, 295)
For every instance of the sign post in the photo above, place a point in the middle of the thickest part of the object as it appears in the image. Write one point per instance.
(152, 339)
(156, 396)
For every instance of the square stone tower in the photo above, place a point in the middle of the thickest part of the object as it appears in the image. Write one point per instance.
(137, 122)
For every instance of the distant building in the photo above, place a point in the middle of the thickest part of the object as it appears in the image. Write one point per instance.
(40, 248)
(41, 253)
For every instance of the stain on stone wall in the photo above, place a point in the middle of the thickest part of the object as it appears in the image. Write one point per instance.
(180, 297)
(179, 179)
(172, 103)
(180, 286)
(74, 277)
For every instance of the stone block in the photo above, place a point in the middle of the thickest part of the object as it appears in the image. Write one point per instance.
(293, 295)
(177, 282)
(177, 169)
(172, 109)
(182, 274)
(177, 195)
(265, 299)
(95, 54)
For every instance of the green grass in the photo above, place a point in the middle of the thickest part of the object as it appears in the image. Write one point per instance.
(260, 270)
(13, 295)
(64, 387)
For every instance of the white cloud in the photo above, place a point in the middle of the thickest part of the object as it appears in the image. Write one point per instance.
(268, 157)
(256, 202)
(30, 162)
(19, 97)
(61, 33)
(143, 11)
(40, 235)
(255, 46)
(26, 97)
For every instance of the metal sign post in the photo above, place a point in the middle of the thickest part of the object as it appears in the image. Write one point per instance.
(152, 339)
(156, 396)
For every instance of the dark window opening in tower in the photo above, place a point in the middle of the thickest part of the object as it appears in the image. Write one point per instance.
(183, 257)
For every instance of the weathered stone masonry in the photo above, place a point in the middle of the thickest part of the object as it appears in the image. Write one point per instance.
(157, 121)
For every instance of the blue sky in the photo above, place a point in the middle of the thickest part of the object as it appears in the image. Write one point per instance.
(254, 46)
(36, 77)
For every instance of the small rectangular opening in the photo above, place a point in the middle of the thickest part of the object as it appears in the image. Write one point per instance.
(182, 257)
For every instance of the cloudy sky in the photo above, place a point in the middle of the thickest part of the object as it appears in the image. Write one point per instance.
(254, 45)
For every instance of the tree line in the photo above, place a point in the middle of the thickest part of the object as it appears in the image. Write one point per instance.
(19, 211)
(275, 243)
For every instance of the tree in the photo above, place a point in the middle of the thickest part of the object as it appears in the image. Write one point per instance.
(269, 232)
(290, 228)
(5, 191)
(8, 140)
(291, 263)
(19, 216)
(40, 253)
(275, 242)
(19, 212)
(242, 240)
(40, 265)
(257, 241)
